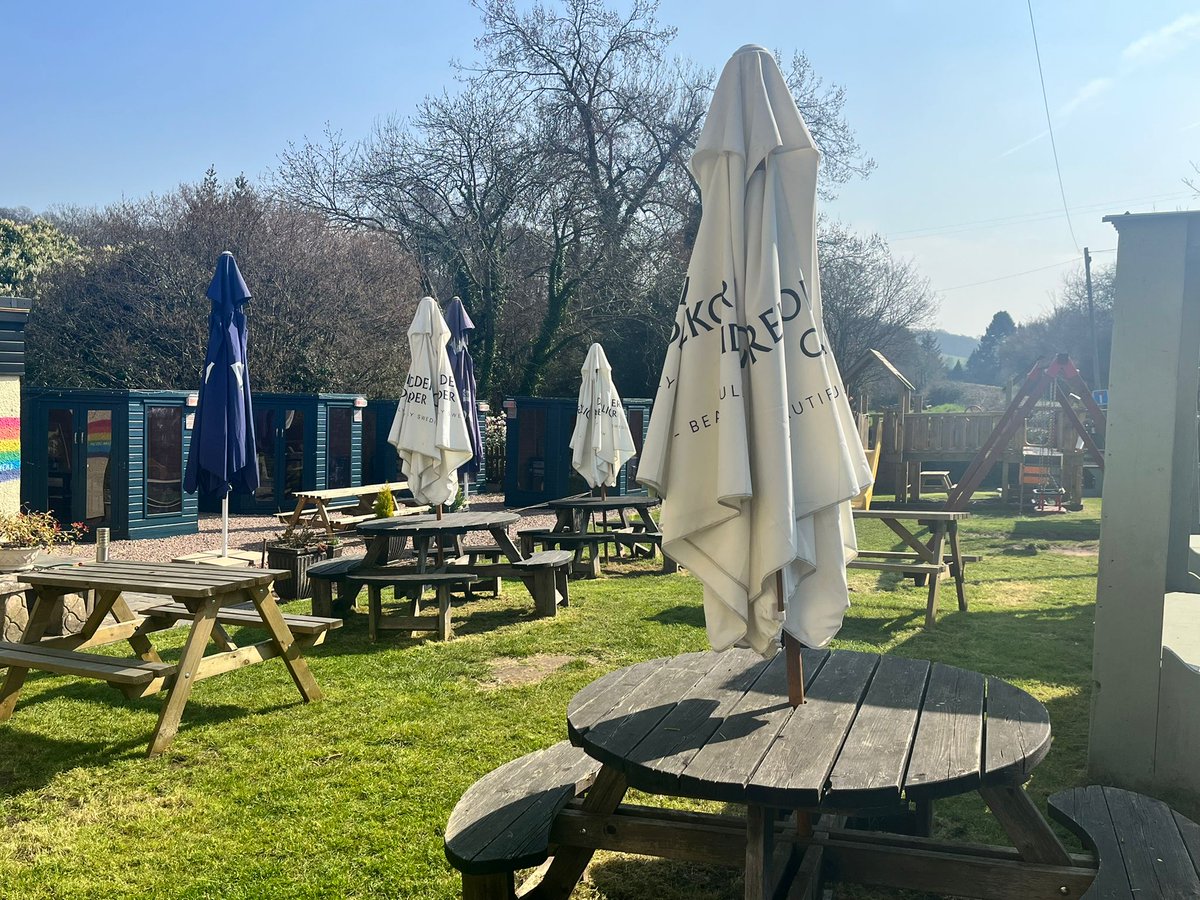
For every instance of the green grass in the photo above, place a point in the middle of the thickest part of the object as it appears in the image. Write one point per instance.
(263, 796)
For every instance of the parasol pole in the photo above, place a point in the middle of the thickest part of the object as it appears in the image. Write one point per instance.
(791, 650)
(225, 524)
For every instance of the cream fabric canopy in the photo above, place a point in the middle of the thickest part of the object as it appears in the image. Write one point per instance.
(429, 431)
(601, 442)
(752, 443)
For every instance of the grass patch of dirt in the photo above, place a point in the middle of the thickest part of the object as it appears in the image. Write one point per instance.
(508, 671)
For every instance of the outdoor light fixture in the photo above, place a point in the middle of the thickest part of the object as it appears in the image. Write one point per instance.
(193, 399)
(360, 402)
(510, 409)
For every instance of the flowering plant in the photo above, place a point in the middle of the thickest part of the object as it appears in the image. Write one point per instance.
(495, 431)
(37, 529)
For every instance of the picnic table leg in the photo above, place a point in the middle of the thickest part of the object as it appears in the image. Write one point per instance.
(39, 621)
(935, 545)
(444, 629)
(651, 527)
(569, 863)
(181, 690)
(377, 550)
(116, 603)
(1025, 826)
(760, 851)
(509, 549)
(264, 602)
(301, 502)
(324, 514)
(956, 567)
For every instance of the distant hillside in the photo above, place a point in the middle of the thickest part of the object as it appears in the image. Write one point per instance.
(955, 346)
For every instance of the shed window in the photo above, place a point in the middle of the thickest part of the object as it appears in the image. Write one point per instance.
(164, 460)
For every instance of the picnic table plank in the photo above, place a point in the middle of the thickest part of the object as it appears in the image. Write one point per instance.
(947, 749)
(699, 713)
(921, 515)
(641, 711)
(592, 704)
(720, 769)
(500, 817)
(798, 764)
(339, 493)
(870, 769)
(1017, 733)
(67, 662)
(1156, 857)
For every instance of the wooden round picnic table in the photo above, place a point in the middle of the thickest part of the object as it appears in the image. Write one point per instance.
(877, 735)
(574, 512)
(424, 529)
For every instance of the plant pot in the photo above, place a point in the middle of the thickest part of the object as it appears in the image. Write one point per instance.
(14, 559)
(296, 560)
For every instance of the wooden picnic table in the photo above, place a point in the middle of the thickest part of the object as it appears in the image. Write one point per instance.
(929, 559)
(343, 519)
(432, 537)
(878, 735)
(427, 531)
(202, 595)
(577, 515)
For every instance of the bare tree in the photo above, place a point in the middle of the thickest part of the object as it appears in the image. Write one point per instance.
(823, 108)
(871, 299)
(446, 187)
(328, 308)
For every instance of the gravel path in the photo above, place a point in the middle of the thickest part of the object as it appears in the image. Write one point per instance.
(248, 533)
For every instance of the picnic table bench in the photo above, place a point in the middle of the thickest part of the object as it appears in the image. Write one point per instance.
(343, 509)
(924, 561)
(208, 596)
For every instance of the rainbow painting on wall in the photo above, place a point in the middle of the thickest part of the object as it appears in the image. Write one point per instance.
(10, 448)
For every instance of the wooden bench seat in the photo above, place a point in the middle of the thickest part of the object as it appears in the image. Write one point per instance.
(503, 821)
(545, 573)
(1144, 848)
(905, 554)
(636, 536)
(299, 625)
(85, 665)
(377, 578)
(904, 568)
(590, 541)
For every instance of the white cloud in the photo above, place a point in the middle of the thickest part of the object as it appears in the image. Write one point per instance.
(1028, 142)
(1170, 39)
(1092, 89)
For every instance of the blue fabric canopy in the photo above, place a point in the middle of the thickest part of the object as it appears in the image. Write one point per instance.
(464, 376)
(222, 457)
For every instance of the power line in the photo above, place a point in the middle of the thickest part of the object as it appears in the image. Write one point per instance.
(1050, 125)
(1065, 262)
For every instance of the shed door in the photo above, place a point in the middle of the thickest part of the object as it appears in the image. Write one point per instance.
(79, 475)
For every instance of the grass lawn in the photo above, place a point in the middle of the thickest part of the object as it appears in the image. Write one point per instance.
(262, 796)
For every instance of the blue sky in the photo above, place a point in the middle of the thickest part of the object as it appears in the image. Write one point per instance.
(117, 100)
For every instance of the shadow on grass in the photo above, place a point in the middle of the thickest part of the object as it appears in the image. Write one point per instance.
(1057, 529)
(29, 761)
(680, 614)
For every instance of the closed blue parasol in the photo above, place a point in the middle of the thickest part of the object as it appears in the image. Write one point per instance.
(464, 376)
(222, 457)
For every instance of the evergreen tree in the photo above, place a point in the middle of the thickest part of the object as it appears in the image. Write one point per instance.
(984, 365)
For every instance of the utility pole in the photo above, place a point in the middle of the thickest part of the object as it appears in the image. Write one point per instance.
(1087, 275)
